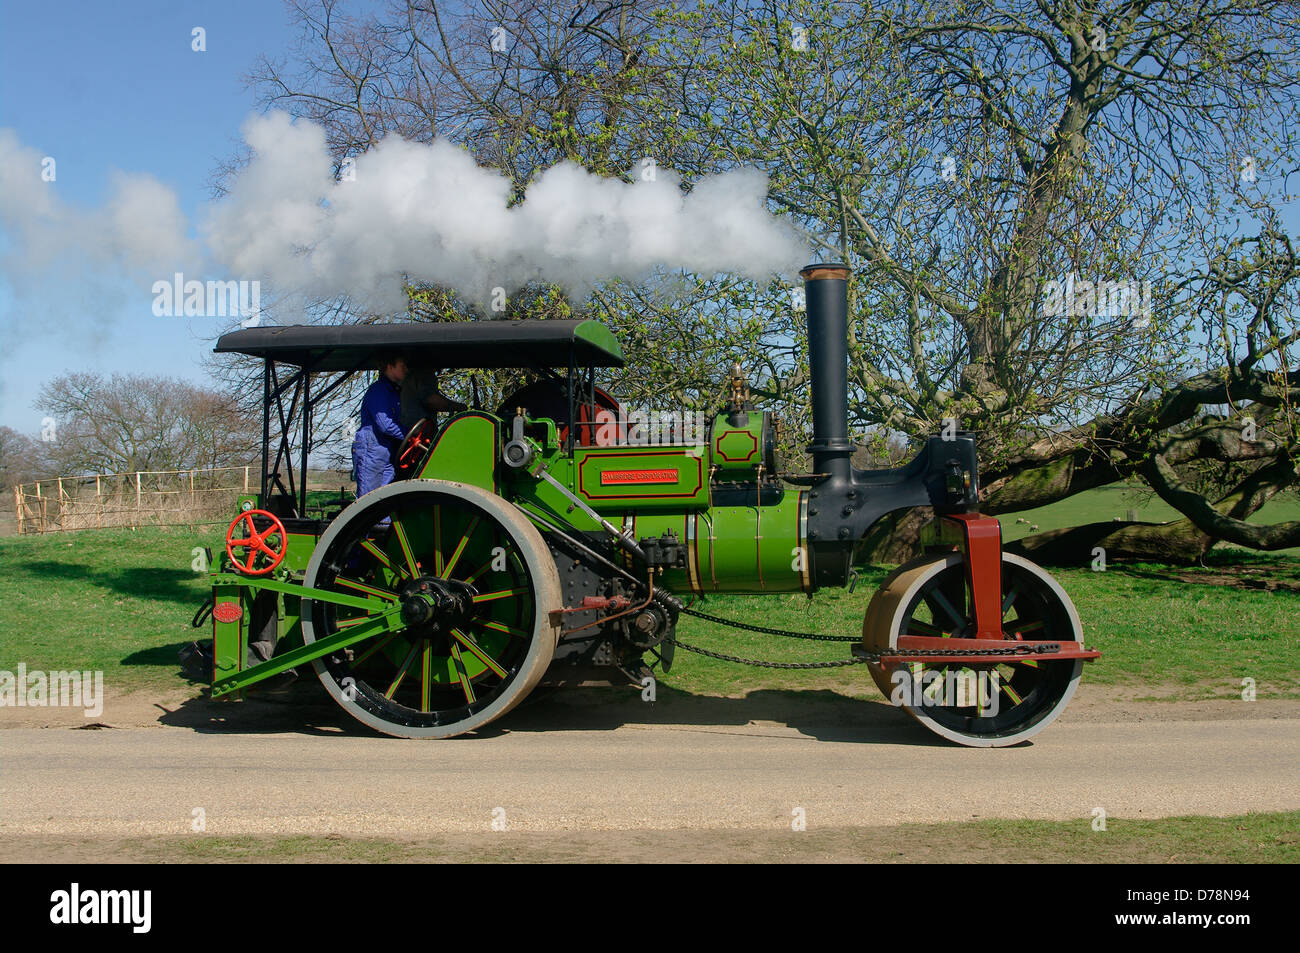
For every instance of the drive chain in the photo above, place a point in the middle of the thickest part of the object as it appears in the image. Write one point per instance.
(864, 655)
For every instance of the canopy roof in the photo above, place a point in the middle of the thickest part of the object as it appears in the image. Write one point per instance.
(441, 344)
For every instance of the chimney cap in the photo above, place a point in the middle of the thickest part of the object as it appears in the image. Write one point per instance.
(829, 270)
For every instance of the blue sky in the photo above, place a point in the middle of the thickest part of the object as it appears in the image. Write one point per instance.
(116, 86)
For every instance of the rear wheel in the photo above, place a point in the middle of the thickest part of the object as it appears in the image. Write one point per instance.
(477, 588)
(985, 705)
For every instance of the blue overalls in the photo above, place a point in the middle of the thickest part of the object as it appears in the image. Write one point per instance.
(375, 445)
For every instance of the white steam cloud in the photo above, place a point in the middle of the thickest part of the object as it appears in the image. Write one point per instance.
(140, 229)
(427, 213)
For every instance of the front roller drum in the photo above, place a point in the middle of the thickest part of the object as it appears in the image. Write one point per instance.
(479, 599)
(999, 703)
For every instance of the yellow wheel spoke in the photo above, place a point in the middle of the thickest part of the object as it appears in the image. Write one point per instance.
(500, 594)
(1011, 598)
(947, 607)
(1011, 693)
(478, 653)
(382, 556)
(469, 580)
(462, 674)
(460, 547)
(426, 676)
(366, 588)
(401, 672)
(917, 669)
(437, 541)
(502, 627)
(349, 623)
(379, 623)
(405, 543)
(931, 693)
(374, 648)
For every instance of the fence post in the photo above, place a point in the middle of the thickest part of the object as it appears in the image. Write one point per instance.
(121, 515)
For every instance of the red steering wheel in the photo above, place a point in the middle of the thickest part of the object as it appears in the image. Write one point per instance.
(263, 556)
(418, 439)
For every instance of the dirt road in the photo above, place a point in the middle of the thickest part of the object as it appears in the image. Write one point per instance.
(584, 762)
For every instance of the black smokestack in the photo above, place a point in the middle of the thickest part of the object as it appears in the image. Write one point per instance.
(826, 290)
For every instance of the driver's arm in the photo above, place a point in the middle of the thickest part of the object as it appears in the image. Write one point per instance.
(388, 425)
(440, 403)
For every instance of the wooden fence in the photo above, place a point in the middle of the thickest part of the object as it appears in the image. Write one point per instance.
(143, 498)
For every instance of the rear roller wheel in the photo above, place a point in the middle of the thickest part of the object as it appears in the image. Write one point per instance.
(478, 592)
(994, 705)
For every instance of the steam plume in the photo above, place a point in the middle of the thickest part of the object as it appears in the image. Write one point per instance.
(425, 212)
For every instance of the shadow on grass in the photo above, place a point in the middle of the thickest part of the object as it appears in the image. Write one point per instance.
(819, 715)
(147, 583)
(1266, 577)
(163, 656)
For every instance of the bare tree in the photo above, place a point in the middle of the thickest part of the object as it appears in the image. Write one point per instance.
(129, 422)
(521, 84)
(22, 459)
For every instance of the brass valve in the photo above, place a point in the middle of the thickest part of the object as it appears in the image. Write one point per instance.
(739, 389)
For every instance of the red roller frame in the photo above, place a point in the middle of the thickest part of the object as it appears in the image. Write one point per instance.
(980, 540)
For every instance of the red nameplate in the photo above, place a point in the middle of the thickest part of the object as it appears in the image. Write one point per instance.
(227, 611)
(617, 477)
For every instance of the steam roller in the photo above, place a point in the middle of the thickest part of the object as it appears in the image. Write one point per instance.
(552, 538)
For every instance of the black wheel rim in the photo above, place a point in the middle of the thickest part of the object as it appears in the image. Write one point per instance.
(1025, 692)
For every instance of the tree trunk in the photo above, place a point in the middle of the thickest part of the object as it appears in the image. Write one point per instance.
(897, 537)
(1179, 543)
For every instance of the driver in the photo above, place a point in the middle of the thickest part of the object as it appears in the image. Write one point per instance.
(421, 397)
(380, 433)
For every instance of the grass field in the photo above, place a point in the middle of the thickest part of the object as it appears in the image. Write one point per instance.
(121, 601)
(1267, 838)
